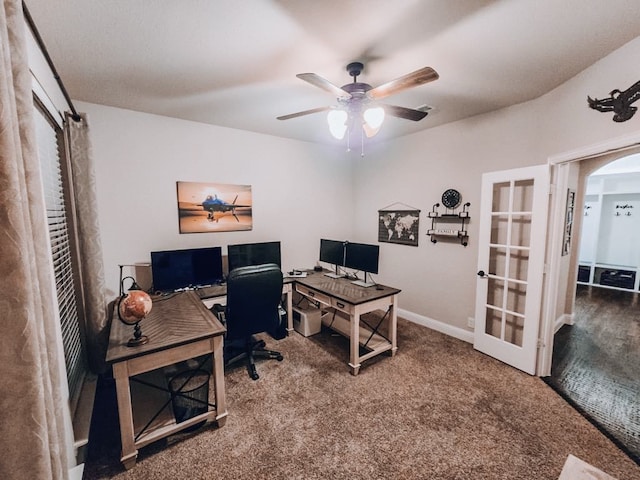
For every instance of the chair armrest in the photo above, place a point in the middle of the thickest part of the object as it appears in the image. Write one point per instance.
(219, 311)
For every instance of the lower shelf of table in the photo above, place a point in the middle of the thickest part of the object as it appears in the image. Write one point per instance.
(147, 401)
(340, 323)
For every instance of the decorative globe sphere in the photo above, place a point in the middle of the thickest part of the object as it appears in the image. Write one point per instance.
(134, 307)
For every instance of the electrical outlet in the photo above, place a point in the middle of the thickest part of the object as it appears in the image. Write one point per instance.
(471, 322)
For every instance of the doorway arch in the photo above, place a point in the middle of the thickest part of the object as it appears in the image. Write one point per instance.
(599, 353)
(569, 170)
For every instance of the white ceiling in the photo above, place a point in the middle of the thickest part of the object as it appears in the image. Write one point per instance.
(233, 62)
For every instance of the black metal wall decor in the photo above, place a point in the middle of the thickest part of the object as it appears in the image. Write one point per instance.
(441, 223)
(619, 103)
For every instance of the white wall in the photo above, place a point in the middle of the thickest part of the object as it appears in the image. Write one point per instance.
(301, 191)
(438, 280)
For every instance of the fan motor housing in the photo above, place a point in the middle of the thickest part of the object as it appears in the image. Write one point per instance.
(357, 88)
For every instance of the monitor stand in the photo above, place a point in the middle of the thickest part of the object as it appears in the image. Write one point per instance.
(364, 283)
(334, 275)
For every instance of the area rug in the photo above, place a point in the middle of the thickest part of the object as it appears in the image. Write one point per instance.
(596, 365)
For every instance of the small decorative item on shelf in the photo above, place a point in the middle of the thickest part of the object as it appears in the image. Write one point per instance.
(450, 199)
(132, 308)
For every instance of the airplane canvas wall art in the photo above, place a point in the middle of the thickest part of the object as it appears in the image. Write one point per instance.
(214, 207)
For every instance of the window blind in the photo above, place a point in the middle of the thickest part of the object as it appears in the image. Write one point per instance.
(48, 135)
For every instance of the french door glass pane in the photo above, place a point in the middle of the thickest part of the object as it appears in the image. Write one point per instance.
(514, 327)
(493, 324)
(516, 297)
(522, 196)
(497, 261)
(500, 201)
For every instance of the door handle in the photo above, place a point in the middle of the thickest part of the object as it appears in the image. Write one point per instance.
(482, 274)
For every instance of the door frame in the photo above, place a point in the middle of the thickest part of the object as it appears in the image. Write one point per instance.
(560, 164)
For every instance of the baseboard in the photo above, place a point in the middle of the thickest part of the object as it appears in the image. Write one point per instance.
(564, 319)
(462, 334)
(456, 332)
(82, 416)
(76, 472)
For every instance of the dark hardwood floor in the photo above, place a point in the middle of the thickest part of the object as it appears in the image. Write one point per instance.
(596, 363)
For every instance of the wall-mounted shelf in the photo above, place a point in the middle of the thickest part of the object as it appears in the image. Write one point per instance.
(449, 224)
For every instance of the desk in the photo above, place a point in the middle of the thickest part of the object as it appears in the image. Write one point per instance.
(216, 293)
(179, 328)
(348, 302)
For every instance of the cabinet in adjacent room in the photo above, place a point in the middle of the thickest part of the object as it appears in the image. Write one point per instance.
(610, 242)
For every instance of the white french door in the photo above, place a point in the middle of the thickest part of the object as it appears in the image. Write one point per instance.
(511, 242)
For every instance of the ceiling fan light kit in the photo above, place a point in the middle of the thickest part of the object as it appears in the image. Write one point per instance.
(373, 118)
(337, 120)
(358, 102)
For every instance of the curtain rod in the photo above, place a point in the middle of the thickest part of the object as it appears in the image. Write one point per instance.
(76, 117)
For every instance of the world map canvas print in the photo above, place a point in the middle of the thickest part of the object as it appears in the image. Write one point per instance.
(399, 226)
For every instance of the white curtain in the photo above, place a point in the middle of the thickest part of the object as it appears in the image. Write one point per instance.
(34, 423)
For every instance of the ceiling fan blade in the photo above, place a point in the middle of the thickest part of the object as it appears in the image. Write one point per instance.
(419, 77)
(323, 83)
(406, 113)
(305, 112)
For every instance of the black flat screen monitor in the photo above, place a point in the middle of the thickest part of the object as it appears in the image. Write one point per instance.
(332, 251)
(243, 255)
(196, 267)
(361, 256)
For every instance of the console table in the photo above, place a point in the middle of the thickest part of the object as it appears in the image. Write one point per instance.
(179, 328)
(346, 302)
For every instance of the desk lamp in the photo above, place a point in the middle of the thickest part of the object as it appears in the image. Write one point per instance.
(132, 308)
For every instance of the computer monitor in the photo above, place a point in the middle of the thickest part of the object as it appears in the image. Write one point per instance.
(246, 254)
(332, 251)
(195, 267)
(363, 257)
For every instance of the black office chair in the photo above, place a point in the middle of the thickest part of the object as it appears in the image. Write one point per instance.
(253, 297)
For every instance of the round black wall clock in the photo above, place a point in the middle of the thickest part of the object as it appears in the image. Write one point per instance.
(451, 198)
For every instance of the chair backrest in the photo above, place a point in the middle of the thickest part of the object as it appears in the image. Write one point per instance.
(253, 296)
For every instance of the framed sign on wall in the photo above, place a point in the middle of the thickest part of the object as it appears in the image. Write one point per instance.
(568, 222)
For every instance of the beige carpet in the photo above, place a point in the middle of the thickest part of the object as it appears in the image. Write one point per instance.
(437, 410)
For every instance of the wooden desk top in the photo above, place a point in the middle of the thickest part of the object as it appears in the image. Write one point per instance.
(212, 291)
(174, 320)
(344, 290)
(221, 290)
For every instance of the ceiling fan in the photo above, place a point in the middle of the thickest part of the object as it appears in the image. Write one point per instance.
(358, 101)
